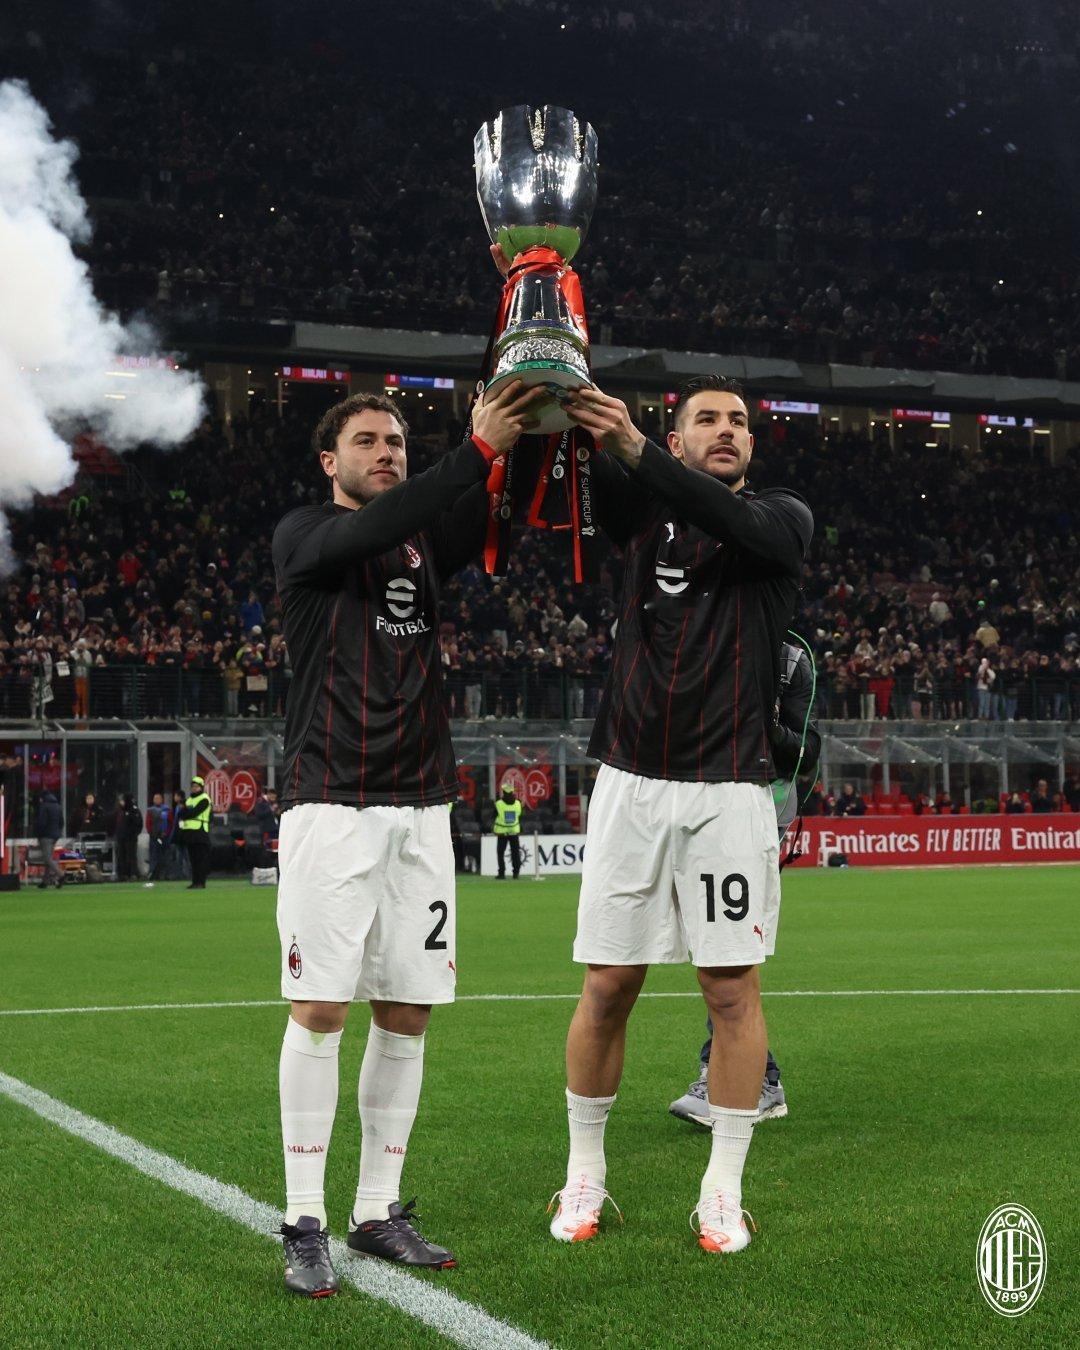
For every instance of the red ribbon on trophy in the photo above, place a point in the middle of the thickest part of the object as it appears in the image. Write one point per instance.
(562, 499)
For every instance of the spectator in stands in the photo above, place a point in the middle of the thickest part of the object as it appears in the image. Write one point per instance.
(42, 673)
(232, 678)
(867, 699)
(944, 805)
(251, 613)
(129, 568)
(1052, 677)
(1015, 805)
(1041, 800)
(82, 662)
(939, 610)
(984, 683)
(1011, 678)
(986, 635)
(850, 802)
(1072, 792)
(256, 677)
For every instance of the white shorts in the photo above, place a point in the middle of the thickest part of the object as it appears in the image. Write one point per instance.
(678, 871)
(366, 903)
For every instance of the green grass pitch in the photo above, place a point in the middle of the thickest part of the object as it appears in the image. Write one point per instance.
(911, 1119)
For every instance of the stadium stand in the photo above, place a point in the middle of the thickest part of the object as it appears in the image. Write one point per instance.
(155, 588)
(232, 172)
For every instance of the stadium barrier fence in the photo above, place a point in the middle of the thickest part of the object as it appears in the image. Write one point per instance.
(136, 692)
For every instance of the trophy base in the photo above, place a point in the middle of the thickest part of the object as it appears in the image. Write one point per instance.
(547, 414)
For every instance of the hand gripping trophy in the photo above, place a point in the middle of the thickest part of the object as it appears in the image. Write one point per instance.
(536, 182)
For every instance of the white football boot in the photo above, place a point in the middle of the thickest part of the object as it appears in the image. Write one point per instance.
(577, 1217)
(720, 1224)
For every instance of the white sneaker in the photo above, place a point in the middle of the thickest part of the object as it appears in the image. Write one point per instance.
(720, 1223)
(577, 1217)
(148, 886)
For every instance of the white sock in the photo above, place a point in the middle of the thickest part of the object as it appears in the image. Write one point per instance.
(389, 1093)
(731, 1131)
(308, 1084)
(587, 1117)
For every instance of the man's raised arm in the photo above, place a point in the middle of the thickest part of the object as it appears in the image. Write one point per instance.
(308, 545)
(776, 527)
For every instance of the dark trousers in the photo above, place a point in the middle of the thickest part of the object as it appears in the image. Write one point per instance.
(52, 876)
(514, 841)
(177, 862)
(199, 853)
(158, 849)
(125, 858)
(772, 1069)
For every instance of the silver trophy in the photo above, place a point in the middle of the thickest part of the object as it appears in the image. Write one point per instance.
(536, 181)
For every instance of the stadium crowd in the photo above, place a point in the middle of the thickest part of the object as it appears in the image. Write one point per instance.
(941, 583)
(242, 173)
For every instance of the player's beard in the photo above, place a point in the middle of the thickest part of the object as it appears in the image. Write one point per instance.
(729, 472)
(360, 486)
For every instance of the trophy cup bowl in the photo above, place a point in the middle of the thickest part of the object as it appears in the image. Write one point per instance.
(536, 183)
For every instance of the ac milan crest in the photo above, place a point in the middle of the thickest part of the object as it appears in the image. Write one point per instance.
(295, 964)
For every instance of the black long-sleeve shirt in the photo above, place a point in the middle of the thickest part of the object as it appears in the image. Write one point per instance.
(710, 582)
(366, 720)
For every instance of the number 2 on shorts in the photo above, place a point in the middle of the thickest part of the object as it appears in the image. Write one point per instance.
(434, 943)
(737, 906)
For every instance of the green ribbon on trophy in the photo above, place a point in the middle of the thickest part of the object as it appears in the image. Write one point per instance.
(536, 182)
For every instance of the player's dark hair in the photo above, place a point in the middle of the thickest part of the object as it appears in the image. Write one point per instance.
(325, 435)
(722, 384)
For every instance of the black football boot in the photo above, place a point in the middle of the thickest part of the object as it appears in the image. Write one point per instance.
(307, 1258)
(397, 1239)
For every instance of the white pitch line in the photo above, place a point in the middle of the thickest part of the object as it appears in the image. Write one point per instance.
(455, 1319)
(545, 998)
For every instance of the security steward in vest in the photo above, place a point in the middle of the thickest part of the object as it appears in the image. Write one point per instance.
(193, 832)
(508, 812)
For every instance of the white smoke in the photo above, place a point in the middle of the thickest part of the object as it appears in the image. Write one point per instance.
(58, 345)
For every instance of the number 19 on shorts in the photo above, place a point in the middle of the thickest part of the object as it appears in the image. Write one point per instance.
(734, 896)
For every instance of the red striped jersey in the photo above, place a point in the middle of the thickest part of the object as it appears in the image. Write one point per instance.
(710, 582)
(365, 718)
